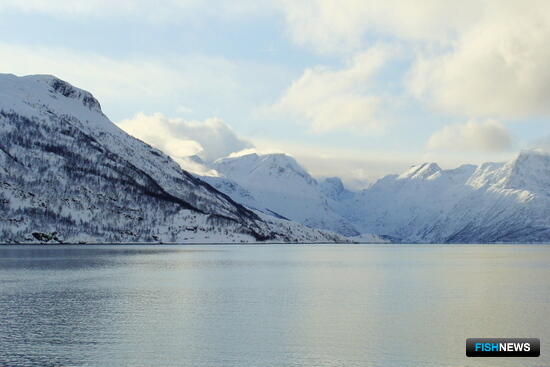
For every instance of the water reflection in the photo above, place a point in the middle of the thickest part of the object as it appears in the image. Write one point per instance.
(67, 257)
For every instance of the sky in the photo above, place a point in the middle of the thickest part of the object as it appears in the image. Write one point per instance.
(350, 88)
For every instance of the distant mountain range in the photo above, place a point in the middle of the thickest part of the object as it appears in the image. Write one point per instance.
(68, 174)
(493, 202)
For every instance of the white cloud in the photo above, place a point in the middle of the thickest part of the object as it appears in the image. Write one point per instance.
(107, 78)
(497, 68)
(541, 144)
(199, 168)
(486, 136)
(255, 150)
(340, 26)
(475, 58)
(209, 139)
(211, 85)
(328, 99)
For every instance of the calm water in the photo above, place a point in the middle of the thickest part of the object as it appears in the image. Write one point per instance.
(269, 305)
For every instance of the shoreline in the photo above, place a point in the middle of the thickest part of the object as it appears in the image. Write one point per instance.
(266, 243)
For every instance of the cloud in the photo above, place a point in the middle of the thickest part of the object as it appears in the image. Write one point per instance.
(197, 167)
(474, 58)
(340, 27)
(212, 139)
(209, 139)
(328, 99)
(106, 77)
(486, 136)
(354, 166)
(210, 85)
(258, 151)
(497, 68)
(542, 144)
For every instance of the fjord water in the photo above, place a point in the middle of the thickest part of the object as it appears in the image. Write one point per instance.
(280, 305)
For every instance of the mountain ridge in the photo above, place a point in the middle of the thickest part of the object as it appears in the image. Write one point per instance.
(492, 202)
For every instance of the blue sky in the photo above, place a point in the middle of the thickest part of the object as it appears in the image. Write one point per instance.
(351, 88)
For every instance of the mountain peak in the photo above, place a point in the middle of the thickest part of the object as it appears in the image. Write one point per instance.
(40, 88)
(67, 90)
(258, 166)
(334, 182)
(421, 171)
(334, 188)
(195, 159)
(529, 171)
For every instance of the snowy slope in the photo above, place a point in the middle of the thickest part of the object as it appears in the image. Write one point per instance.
(505, 203)
(494, 202)
(277, 184)
(65, 168)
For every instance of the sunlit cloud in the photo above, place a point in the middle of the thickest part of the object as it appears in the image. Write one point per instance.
(340, 27)
(210, 139)
(498, 67)
(474, 58)
(484, 136)
(327, 99)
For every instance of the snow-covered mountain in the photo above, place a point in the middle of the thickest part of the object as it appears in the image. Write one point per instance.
(493, 202)
(276, 184)
(67, 173)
